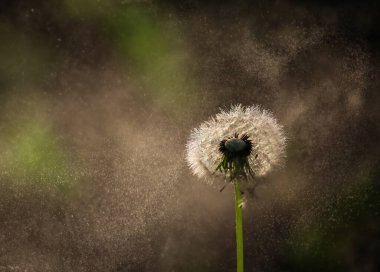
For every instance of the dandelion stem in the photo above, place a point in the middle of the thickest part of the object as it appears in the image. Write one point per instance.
(239, 226)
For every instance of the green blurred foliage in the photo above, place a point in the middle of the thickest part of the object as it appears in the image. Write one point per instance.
(88, 9)
(145, 44)
(152, 47)
(149, 45)
(328, 240)
(32, 153)
(24, 59)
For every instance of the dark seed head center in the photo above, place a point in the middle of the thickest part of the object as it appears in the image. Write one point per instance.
(235, 145)
(235, 152)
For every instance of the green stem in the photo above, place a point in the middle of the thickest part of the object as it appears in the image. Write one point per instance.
(239, 226)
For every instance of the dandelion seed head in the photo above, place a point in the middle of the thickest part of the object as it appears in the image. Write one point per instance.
(258, 129)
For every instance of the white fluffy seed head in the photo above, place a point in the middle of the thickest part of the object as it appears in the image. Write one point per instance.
(266, 135)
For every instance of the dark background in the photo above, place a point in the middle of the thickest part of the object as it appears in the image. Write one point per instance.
(98, 98)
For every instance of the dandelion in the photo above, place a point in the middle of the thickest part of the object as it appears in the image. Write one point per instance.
(240, 144)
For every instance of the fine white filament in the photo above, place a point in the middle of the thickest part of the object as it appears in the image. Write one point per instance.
(267, 136)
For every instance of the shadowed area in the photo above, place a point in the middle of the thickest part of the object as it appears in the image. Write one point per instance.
(97, 101)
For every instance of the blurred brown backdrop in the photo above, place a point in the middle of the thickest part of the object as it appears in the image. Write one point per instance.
(97, 99)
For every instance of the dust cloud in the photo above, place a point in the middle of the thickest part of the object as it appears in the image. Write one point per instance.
(93, 175)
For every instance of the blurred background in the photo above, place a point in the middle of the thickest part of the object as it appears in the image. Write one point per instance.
(98, 98)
